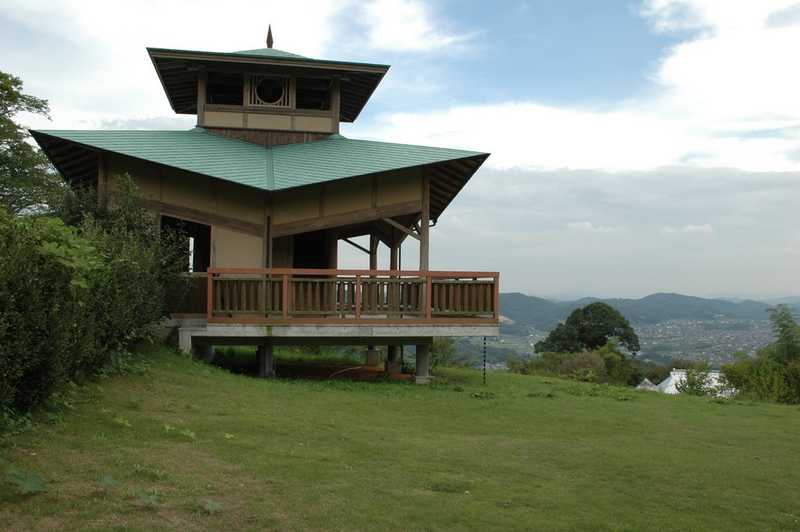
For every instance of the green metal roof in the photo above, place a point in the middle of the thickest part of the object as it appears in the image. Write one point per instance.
(270, 52)
(263, 53)
(275, 168)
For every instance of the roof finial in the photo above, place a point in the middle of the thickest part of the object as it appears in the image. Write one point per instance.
(269, 37)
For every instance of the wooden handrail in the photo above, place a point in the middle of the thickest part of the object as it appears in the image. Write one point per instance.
(365, 273)
(469, 297)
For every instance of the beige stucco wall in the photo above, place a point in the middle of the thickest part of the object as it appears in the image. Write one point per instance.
(400, 186)
(223, 119)
(232, 249)
(239, 117)
(296, 204)
(237, 213)
(347, 195)
(193, 191)
(265, 121)
(316, 124)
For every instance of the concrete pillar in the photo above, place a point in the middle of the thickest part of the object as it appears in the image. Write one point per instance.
(372, 356)
(266, 362)
(184, 341)
(423, 364)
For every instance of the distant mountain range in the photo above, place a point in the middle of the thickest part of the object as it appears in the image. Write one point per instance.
(544, 314)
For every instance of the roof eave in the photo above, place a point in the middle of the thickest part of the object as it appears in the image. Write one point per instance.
(321, 64)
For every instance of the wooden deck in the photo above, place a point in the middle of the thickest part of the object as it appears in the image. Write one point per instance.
(282, 296)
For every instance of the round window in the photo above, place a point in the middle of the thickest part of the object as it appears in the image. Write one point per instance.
(269, 90)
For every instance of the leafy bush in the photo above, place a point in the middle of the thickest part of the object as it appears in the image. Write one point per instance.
(774, 373)
(608, 364)
(442, 353)
(588, 366)
(697, 382)
(72, 298)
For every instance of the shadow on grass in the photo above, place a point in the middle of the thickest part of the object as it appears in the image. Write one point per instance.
(298, 363)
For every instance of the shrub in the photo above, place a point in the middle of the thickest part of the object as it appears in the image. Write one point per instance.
(443, 352)
(587, 366)
(774, 373)
(72, 298)
(697, 382)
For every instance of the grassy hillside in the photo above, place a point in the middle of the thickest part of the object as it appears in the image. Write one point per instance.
(187, 446)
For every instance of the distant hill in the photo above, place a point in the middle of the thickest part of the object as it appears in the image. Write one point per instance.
(544, 314)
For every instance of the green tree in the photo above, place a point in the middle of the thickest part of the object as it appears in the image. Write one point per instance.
(443, 351)
(787, 333)
(697, 381)
(27, 180)
(590, 328)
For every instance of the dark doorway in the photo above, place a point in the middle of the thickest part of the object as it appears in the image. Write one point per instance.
(311, 250)
(197, 241)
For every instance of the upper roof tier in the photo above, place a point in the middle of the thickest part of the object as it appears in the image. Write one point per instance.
(179, 70)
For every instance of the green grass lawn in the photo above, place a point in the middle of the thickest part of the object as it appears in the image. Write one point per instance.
(189, 446)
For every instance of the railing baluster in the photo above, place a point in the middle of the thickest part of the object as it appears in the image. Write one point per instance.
(358, 297)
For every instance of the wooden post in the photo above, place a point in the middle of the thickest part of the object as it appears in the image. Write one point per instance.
(268, 252)
(209, 295)
(424, 242)
(285, 296)
(372, 294)
(424, 225)
(392, 363)
(357, 302)
(202, 78)
(336, 103)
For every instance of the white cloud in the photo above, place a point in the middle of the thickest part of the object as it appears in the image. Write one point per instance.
(691, 229)
(726, 97)
(88, 58)
(589, 227)
(404, 25)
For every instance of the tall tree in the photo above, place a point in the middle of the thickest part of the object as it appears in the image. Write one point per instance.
(590, 328)
(787, 333)
(27, 180)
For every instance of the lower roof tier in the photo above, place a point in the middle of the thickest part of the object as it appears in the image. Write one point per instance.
(265, 168)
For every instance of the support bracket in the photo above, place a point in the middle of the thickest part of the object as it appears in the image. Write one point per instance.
(401, 227)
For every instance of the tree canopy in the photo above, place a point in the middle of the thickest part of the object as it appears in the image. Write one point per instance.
(787, 334)
(589, 328)
(27, 180)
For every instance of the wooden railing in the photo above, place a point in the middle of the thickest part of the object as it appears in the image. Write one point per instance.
(257, 295)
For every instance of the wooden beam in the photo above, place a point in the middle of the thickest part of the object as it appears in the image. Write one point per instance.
(350, 218)
(268, 252)
(202, 217)
(401, 227)
(373, 252)
(202, 78)
(356, 245)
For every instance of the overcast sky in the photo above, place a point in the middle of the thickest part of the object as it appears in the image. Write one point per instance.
(637, 146)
